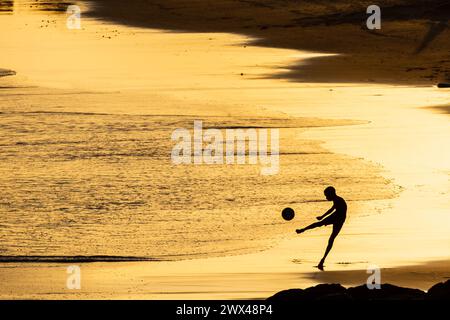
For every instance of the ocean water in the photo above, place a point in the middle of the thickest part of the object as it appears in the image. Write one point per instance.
(104, 184)
(85, 145)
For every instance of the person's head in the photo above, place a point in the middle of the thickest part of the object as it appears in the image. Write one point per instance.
(330, 193)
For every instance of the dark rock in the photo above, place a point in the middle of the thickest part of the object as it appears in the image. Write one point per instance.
(336, 292)
(6, 72)
(321, 292)
(386, 292)
(326, 292)
(289, 295)
(443, 85)
(440, 291)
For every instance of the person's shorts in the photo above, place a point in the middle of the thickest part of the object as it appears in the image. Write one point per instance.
(336, 222)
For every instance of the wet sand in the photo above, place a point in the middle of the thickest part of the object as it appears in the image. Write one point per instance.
(405, 236)
(411, 47)
(252, 276)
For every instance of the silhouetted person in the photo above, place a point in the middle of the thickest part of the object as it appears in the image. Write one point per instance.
(336, 218)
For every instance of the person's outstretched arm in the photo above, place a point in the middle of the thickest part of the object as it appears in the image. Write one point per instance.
(326, 213)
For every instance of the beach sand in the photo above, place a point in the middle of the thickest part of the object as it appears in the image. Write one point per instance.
(252, 276)
(398, 140)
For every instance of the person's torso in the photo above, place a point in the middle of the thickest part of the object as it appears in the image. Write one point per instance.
(341, 209)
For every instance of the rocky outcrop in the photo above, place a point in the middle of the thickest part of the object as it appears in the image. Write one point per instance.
(336, 292)
(6, 72)
(439, 291)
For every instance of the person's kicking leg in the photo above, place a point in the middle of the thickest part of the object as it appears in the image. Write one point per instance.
(311, 226)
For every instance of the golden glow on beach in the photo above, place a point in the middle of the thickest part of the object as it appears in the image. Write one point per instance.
(392, 164)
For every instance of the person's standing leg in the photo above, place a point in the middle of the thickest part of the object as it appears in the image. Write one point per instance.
(336, 229)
